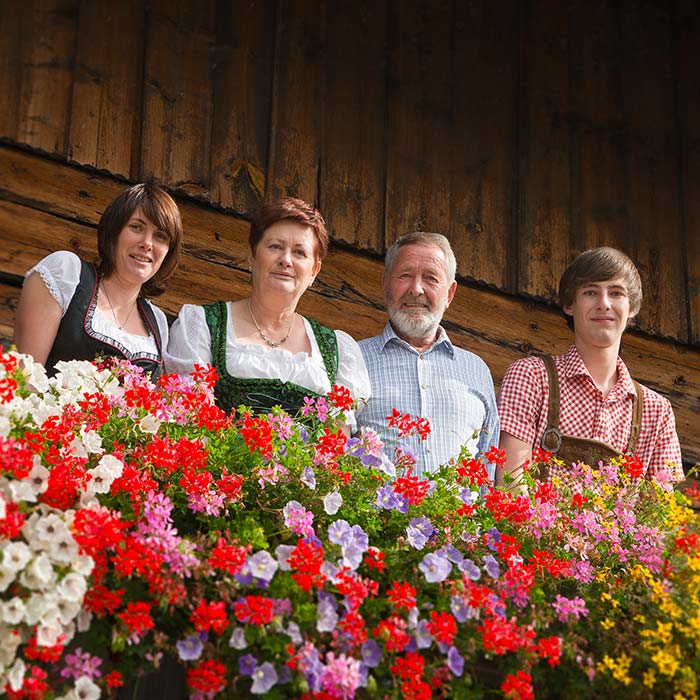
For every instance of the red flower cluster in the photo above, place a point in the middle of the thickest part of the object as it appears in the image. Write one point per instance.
(410, 670)
(254, 610)
(405, 424)
(257, 434)
(340, 397)
(402, 595)
(518, 687)
(412, 488)
(473, 471)
(442, 626)
(507, 506)
(207, 677)
(210, 616)
(227, 557)
(137, 618)
(306, 560)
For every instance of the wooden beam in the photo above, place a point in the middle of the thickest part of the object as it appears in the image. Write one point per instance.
(46, 205)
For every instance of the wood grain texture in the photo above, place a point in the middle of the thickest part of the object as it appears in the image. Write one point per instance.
(346, 295)
(687, 59)
(484, 87)
(11, 28)
(544, 188)
(297, 102)
(599, 212)
(48, 32)
(419, 122)
(354, 139)
(242, 85)
(176, 131)
(106, 102)
(654, 232)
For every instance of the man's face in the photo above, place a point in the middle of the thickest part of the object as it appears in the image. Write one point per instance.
(600, 311)
(417, 291)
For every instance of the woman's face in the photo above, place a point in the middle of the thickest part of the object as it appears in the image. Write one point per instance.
(140, 250)
(284, 260)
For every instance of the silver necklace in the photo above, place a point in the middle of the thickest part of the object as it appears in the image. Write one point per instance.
(271, 343)
(116, 320)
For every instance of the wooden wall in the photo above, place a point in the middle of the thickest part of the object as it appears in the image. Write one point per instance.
(525, 130)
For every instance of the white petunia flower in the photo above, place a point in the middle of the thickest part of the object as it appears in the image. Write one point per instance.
(107, 470)
(49, 530)
(64, 550)
(12, 611)
(332, 502)
(15, 556)
(85, 689)
(72, 587)
(39, 574)
(83, 565)
(36, 483)
(149, 424)
(16, 675)
(92, 441)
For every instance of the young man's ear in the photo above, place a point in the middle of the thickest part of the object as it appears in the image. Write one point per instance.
(568, 309)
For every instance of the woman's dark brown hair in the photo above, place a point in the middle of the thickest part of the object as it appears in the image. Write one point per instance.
(160, 209)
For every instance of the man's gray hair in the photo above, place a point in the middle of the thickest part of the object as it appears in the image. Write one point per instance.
(422, 238)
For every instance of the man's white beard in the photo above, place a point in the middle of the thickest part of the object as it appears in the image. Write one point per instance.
(414, 325)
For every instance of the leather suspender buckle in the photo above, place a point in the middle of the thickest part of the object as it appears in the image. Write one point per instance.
(546, 443)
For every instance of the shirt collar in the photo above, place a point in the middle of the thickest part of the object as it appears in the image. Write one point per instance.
(389, 335)
(574, 366)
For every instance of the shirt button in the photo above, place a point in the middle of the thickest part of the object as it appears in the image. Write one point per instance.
(423, 386)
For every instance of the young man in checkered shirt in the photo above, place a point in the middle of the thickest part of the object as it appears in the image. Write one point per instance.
(599, 293)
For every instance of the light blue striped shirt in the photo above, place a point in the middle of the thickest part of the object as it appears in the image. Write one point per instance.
(449, 386)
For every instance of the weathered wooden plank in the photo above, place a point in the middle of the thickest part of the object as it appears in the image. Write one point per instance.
(11, 31)
(9, 294)
(242, 103)
(484, 86)
(419, 119)
(686, 34)
(48, 35)
(297, 106)
(599, 208)
(106, 103)
(354, 147)
(652, 165)
(176, 132)
(544, 149)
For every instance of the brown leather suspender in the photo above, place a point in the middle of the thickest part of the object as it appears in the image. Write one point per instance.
(552, 438)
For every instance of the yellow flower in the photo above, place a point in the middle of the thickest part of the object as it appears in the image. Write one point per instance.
(619, 669)
(649, 678)
(666, 660)
(607, 623)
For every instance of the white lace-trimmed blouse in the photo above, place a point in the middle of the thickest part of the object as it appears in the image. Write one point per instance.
(190, 344)
(60, 272)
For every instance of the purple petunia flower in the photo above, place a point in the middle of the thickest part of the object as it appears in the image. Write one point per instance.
(491, 566)
(262, 565)
(419, 531)
(238, 640)
(327, 615)
(247, 665)
(455, 662)
(468, 567)
(308, 478)
(190, 648)
(435, 566)
(459, 608)
(371, 654)
(264, 677)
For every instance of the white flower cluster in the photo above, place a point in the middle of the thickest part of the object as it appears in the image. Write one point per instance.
(43, 576)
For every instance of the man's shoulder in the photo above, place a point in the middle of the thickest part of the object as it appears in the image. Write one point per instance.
(369, 344)
(472, 359)
(654, 399)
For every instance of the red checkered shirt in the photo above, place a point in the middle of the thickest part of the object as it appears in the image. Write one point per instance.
(583, 412)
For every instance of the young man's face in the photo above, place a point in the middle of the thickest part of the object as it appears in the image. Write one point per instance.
(600, 312)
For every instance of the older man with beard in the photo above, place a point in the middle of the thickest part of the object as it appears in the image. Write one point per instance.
(414, 367)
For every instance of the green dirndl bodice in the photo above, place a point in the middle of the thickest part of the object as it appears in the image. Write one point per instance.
(264, 393)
